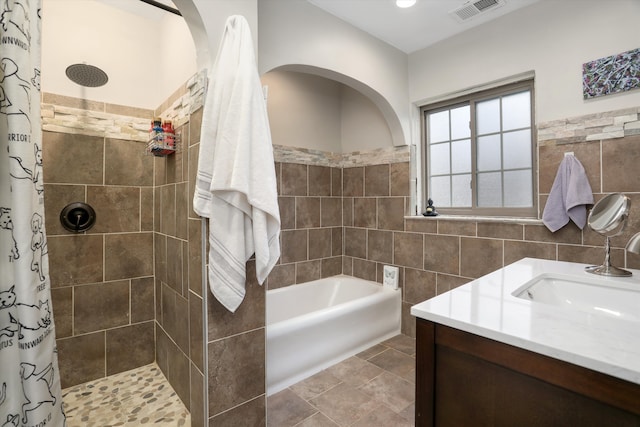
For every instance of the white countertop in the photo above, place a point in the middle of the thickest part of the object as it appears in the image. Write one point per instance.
(486, 307)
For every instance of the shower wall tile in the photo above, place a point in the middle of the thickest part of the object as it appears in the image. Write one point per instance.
(380, 246)
(101, 306)
(347, 211)
(175, 317)
(159, 171)
(353, 182)
(128, 255)
(195, 256)
(179, 369)
(174, 264)
(319, 243)
(81, 358)
(197, 399)
(364, 269)
(441, 253)
(307, 212)
(419, 285)
(308, 271)
(251, 413)
(282, 275)
(182, 210)
(125, 163)
(501, 231)
(117, 209)
(62, 305)
(86, 254)
(294, 179)
(287, 207)
(174, 168)
(142, 299)
(400, 179)
(319, 181)
(337, 241)
(330, 212)
(293, 246)
(355, 242)
(365, 213)
(391, 211)
(130, 347)
(72, 159)
(168, 210)
(196, 332)
(376, 180)
(480, 256)
(620, 155)
(146, 209)
(143, 247)
(336, 182)
(250, 314)
(331, 266)
(407, 249)
(160, 257)
(194, 155)
(236, 370)
(56, 198)
(458, 228)
(515, 250)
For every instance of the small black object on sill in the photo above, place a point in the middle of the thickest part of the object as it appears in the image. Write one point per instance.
(431, 210)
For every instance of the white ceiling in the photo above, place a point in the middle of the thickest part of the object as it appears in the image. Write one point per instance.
(414, 28)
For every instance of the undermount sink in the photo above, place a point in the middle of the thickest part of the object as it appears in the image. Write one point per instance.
(607, 297)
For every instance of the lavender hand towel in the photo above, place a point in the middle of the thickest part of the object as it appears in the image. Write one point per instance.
(569, 197)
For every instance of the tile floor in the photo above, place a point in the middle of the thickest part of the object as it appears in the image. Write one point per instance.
(133, 398)
(375, 388)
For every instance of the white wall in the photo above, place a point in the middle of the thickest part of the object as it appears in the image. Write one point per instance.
(214, 14)
(146, 57)
(296, 32)
(304, 111)
(363, 126)
(308, 111)
(553, 38)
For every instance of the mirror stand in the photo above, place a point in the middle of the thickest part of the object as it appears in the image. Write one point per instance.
(606, 269)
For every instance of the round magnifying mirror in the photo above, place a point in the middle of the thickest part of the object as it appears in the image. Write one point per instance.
(609, 216)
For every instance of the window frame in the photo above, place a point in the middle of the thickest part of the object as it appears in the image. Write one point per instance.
(472, 99)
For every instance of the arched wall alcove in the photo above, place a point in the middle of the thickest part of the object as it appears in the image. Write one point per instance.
(387, 111)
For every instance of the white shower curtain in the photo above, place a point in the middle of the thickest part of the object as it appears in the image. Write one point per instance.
(30, 392)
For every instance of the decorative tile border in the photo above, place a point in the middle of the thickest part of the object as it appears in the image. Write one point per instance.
(591, 127)
(68, 118)
(91, 118)
(324, 158)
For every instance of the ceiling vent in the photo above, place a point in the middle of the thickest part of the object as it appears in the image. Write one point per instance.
(474, 8)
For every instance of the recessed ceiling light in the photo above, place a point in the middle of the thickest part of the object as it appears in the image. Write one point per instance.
(405, 3)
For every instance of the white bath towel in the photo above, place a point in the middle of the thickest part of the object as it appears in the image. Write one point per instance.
(236, 181)
(570, 194)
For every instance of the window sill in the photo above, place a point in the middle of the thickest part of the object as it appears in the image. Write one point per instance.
(474, 218)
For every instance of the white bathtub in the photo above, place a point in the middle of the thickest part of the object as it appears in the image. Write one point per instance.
(313, 325)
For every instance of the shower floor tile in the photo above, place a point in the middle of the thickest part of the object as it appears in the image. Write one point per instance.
(132, 398)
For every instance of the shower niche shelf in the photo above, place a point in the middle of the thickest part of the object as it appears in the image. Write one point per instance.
(163, 144)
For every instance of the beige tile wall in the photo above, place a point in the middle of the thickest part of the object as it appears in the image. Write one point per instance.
(129, 291)
(102, 280)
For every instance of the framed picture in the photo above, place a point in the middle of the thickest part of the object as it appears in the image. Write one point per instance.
(617, 73)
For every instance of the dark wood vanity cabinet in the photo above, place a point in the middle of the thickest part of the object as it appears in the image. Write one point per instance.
(466, 380)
